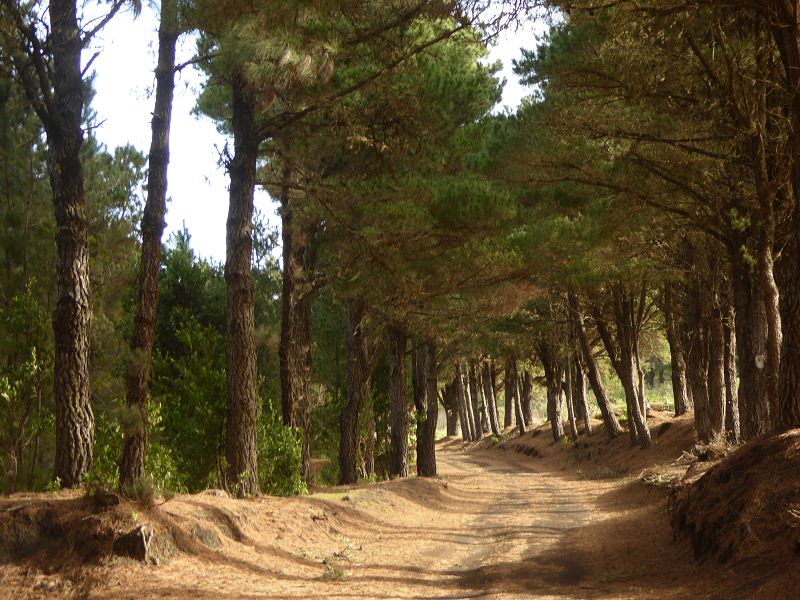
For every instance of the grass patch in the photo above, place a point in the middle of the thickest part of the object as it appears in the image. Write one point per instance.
(333, 571)
(660, 481)
(338, 496)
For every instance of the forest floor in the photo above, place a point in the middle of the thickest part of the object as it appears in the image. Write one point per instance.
(526, 518)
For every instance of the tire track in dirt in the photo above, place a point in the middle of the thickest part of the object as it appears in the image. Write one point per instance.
(512, 543)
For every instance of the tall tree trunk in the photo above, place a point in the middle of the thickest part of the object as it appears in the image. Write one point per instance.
(398, 453)
(527, 397)
(463, 417)
(427, 465)
(495, 389)
(137, 390)
(242, 423)
(732, 430)
(450, 403)
(786, 31)
(697, 366)
(521, 423)
(474, 426)
(573, 427)
(357, 390)
(552, 374)
(716, 376)
(554, 408)
(631, 402)
(479, 399)
(511, 389)
(419, 393)
(472, 404)
(582, 401)
(367, 442)
(769, 291)
(294, 350)
(629, 360)
(640, 380)
(508, 392)
(751, 343)
(73, 313)
(706, 306)
(789, 376)
(610, 421)
(488, 390)
(622, 355)
(677, 356)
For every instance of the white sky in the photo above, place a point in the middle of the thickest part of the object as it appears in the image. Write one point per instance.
(197, 185)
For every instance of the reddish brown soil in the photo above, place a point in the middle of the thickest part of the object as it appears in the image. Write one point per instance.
(746, 510)
(525, 519)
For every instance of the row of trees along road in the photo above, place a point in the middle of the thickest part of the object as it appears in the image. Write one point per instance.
(640, 207)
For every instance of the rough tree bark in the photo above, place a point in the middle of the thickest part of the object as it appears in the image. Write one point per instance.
(786, 32)
(517, 401)
(628, 357)
(751, 343)
(449, 399)
(697, 365)
(427, 465)
(50, 73)
(294, 351)
(472, 401)
(706, 364)
(582, 400)
(479, 398)
(770, 298)
(419, 394)
(610, 421)
(732, 431)
(677, 356)
(242, 417)
(398, 452)
(488, 391)
(508, 392)
(527, 396)
(463, 417)
(474, 426)
(137, 380)
(621, 350)
(357, 389)
(552, 374)
(573, 427)
(716, 377)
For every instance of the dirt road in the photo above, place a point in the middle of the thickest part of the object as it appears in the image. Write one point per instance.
(496, 524)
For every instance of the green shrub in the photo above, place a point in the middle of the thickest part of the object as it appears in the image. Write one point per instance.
(189, 393)
(107, 451)
(280, 458)
(162, 470)
(329, 474)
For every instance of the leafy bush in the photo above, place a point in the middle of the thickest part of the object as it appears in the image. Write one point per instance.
(26, 416)
(107, 450)
(280, 457)
(190, 391)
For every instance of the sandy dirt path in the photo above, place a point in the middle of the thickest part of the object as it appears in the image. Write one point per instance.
(496, 524)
